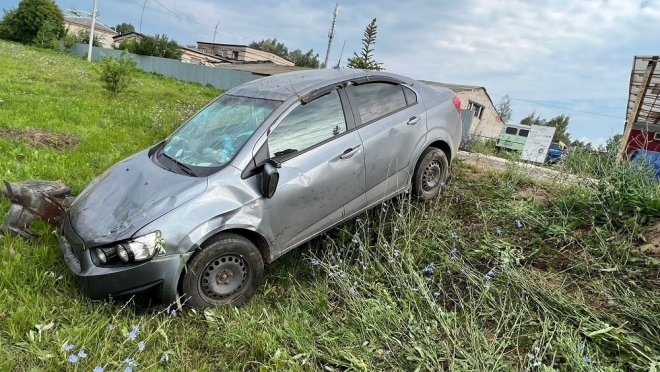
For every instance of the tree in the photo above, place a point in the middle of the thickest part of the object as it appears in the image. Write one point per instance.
(82, 36)
(157, 46)
(308, 59)
(504, 109)
(24, 23)
(299, 58)
(365, 59)
(116, 74)
(124, 28)
(271, 46)
(532, 119)
(560, 123)
(612, 144)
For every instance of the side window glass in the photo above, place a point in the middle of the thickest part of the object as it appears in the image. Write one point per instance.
(511, 130)
(307, 125)
(376, 100)
(523, 132)
(411, 97)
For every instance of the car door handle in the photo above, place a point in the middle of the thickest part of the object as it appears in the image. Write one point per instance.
(348, 153)
(413, 120)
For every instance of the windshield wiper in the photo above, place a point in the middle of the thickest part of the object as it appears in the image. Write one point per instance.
(183, 167)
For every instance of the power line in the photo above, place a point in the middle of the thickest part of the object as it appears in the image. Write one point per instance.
(172, 14)
(560, 107)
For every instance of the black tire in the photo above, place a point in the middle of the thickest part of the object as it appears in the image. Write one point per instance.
(228, 269)
(430, 174)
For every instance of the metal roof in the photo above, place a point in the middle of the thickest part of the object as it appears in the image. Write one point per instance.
(87, 22)
(644, 80)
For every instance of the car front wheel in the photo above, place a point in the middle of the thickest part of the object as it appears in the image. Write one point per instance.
(228, 269)
(430, 174)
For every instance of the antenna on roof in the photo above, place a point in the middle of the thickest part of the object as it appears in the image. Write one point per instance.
(331, 34)
(341, 54)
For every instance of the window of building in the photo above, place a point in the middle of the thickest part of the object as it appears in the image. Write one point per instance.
(478, 109)
(234, 55)
(203, 50)
(656, 136)
(376, 100)
(511, 130)
(224, 53)
(523, 133)
(307, 125)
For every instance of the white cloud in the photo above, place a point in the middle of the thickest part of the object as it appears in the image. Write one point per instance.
(543, 50)
(594, 142)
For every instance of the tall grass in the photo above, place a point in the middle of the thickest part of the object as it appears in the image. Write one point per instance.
(501, 273)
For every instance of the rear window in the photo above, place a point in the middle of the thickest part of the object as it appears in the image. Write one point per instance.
(523, 132)
(376, 100)
(510, 130)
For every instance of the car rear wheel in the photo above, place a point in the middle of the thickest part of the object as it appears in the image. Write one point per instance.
(228, 269)
(430, 174)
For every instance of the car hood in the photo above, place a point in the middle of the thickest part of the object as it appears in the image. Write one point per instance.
(128, 196)
(553, 152)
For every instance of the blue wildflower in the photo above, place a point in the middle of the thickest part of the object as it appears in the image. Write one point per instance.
(98, 369)
(536, 364)
(128, 369)
(342, 275)
(361, 248)
(388, 352)
(454, 235)
(426, 216)
(486, 286)
(351, 291)
(173, 313)
(356, 220)
(130, 362)
(530, 356)
(82, 354)
(69, 347)
(134, 333)
(442, 184)
(429, 269)
(395, 230)
(390, 261)
(314, 263)
(141, 345)
(436, 294)
(110, 327)
(165, 358)
(415, 289)
(395, 252)
(73, 358)
(498, 231)
(355, 239)
(388, 307)
(536, 349)
(610, 302)
(386, 244)
(586, 359)
(519, 224)
(406, 191)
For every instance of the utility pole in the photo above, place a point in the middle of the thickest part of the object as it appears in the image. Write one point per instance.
(331, 34)
(142, 16)
(215, 32)
(91, 34)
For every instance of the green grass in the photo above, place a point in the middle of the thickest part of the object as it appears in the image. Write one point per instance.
(403, 287)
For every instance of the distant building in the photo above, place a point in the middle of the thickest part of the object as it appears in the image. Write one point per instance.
(104, 33)
(118, 39)
(486, 122)
(242, 53)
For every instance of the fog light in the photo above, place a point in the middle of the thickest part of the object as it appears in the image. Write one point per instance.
(101, 255)
(124, 252)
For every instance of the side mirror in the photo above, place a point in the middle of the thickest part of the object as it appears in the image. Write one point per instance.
(269, 179)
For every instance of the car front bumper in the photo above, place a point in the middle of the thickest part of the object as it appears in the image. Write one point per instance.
(153, 281)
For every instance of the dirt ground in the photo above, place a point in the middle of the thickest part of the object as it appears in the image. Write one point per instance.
(37, 137)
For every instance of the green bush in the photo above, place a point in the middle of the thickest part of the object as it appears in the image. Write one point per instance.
(116, 74)
(25, 23)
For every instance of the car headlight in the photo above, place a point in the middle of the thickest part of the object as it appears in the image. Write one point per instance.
(134, 250)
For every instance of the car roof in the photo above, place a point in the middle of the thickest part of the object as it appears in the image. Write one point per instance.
(298, 83)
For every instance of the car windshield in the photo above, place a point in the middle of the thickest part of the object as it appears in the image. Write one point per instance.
(211, 138)
(555, 146)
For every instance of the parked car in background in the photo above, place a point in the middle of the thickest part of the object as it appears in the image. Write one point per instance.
(556, 153)
(513, 137)
(262, 169)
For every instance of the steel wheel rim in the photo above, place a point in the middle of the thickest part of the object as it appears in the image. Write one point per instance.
(225, 278)
(431, 176)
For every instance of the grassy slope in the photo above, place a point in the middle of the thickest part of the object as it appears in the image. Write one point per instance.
(384, 292)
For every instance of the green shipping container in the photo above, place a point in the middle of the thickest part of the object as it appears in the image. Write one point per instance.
(513, 137)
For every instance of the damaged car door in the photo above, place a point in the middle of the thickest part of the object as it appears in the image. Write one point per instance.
(321, 170)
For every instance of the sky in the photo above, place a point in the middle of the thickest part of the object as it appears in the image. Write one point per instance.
(551, 57)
